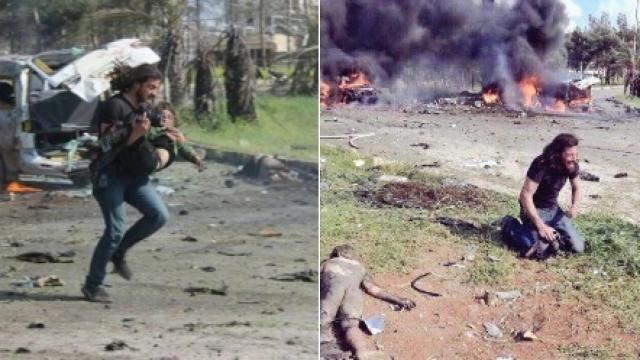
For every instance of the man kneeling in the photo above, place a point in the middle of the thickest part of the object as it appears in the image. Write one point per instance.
(341, 278)
(545, 226)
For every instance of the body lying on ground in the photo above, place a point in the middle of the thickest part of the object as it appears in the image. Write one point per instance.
(342, 279)
(545, 227)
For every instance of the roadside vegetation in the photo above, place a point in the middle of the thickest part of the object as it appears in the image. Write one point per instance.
(285, 126)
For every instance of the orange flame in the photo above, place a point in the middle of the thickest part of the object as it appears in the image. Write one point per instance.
(325, 94)
(354, 80)
(558, 106)
(529, 86)
(16, 187)
(490, 97)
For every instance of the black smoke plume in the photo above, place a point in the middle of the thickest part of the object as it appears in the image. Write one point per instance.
(379, 37)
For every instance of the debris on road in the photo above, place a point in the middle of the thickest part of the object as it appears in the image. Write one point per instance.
(525, 335)
(189, 239)
(351, 138)
(36, 326)
(38, 281)
(118, 345)
(270, 233)
(620, 175)
(227, 253)
(415, 287)
(207, 291)
(374, 324)
(41, 257)
(508, 295)
(304, 276)
(392, 179)
(423, 145)
(492, 329)
(165, 190)
(456, 224)
(587, 176)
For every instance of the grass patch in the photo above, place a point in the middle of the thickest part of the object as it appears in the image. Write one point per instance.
(286, 126)
(628, 100)
(394, 239)
(608, 272)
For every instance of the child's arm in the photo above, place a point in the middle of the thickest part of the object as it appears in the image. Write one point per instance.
(188, 153)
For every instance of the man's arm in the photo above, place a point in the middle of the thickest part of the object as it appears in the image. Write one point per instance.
(379, 293)
(576, 195)
(526, 200)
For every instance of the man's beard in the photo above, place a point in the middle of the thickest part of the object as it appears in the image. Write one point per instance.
(571, 167)
(143, 99)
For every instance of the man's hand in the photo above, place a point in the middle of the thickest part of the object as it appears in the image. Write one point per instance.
(139, 128)
(547, 233)
(406, 304)
(573, 212)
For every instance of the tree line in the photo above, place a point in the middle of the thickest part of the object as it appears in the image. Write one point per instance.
(31, 26)
(605, 47)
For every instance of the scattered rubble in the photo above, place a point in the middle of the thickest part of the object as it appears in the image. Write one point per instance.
(492, 330)
(525, 335)
(424, 146)
(41, 257)
(587, 176)
(304, 276)
(227, 253)
(374, 324)
(456, 224)
(189, 239)
(508, 295)
(620, 175)
(38, 281)
(392, 179)
(222, 291)
(118, 345)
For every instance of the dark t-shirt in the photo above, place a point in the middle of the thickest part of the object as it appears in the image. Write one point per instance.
(116, 111)
(550, 182)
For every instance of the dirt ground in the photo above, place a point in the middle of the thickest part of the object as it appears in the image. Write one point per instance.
(493, 150)
(258, 317)
(452, 326)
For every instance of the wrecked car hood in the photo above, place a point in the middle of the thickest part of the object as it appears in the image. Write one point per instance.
(87, 76)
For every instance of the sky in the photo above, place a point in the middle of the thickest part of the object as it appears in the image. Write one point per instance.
(579, 10)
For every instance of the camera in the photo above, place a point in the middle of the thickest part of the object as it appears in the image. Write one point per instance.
(155, 117)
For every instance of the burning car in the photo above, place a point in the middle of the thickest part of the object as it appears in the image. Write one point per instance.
(531, 93)
(353, 86)
(47, 106)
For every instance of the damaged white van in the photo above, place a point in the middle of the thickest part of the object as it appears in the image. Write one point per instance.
(47, 106)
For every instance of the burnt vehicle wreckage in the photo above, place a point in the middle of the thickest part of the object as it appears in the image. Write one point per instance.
(47, 106)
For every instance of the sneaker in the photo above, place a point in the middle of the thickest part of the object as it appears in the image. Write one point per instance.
(99, 294)
(121, 268)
